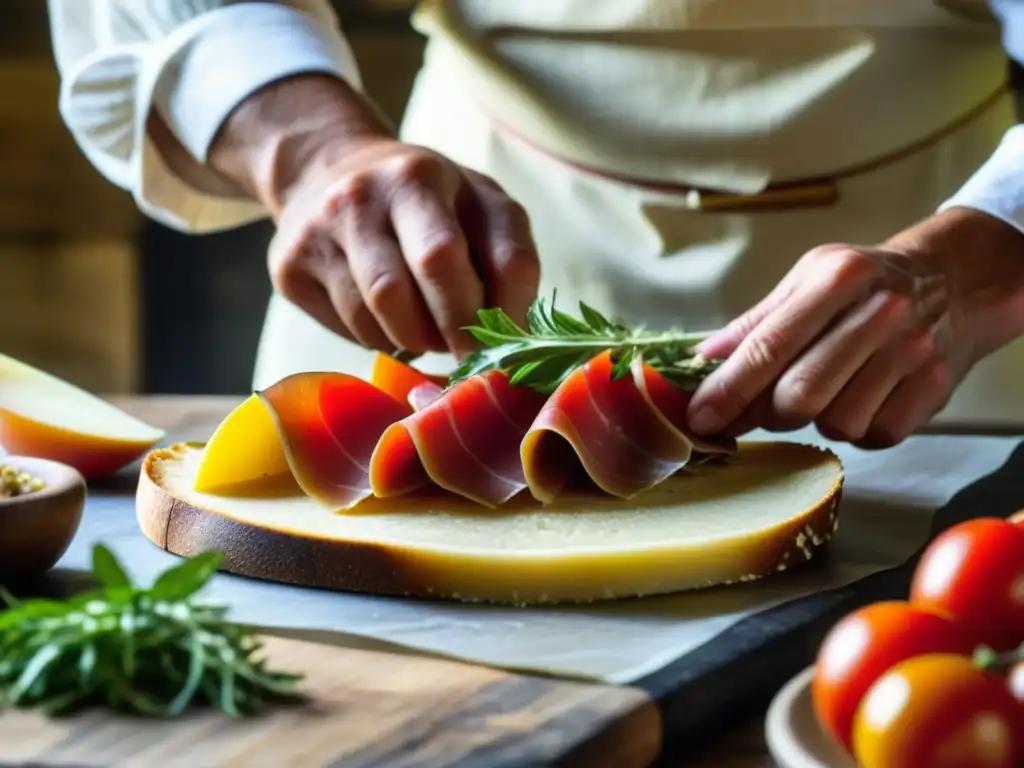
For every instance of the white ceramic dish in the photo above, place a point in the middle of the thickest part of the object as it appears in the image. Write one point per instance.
(793, 735)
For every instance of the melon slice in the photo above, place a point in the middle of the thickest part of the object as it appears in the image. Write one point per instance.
(49, 418)
(770, 508)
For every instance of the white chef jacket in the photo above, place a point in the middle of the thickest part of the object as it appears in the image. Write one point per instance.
(195, 61)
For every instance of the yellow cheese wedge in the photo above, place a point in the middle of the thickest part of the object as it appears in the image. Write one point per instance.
(244, 456)
(769, 509)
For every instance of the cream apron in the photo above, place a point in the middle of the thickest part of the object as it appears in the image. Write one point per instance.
(677, 156)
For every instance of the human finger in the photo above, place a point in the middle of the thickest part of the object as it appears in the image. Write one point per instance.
(292, 261)
(436, 251)
(724, 342)
(387, 289)
(783, 335)
(348, 303)
(761, 414)
(850, 415)
(330, 270)
(822, 371)
(308, 294)
(501, 245)
(914, 401)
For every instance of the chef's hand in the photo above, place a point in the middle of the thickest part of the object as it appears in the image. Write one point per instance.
(868, 343)
(386, 243)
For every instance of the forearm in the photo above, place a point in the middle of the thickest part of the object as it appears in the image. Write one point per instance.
(240, 65)
(266, 145)
(181, 162)
(978, 236)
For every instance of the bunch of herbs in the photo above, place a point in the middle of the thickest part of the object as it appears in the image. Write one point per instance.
(152, 651)
(555, 343)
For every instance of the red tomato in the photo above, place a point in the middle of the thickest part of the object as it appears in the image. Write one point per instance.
(866, 643)
(1015, 682)
(937, 711)
(974, 572)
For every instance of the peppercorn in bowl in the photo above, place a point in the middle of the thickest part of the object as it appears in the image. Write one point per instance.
(41, 506)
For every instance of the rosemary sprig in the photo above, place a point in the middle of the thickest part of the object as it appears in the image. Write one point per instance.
(148, 651)
(554, 344)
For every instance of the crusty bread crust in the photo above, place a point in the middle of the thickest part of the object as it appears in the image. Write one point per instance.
(186, 528)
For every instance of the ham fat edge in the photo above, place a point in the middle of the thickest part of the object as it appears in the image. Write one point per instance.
(346, 439)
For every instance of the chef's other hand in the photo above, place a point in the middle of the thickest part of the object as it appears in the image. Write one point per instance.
(868, 343)
(385, 243)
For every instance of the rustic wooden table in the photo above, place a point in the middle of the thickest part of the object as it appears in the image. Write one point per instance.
(374, 708)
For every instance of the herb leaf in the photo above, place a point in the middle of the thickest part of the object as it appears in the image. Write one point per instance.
(555, 344)
(108, 570)
(186, 579)
(153, 652)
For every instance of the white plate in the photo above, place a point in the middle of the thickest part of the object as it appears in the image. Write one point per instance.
(792, 732)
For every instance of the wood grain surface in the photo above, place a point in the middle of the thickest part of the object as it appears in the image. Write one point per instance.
(368, 709)
(371, 708)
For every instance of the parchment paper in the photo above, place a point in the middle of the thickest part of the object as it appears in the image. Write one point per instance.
(887, 508)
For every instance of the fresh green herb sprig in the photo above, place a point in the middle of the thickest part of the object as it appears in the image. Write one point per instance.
(554, 344)
(147, 651)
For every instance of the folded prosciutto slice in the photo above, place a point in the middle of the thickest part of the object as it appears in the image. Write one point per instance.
(329, 425)
(629, 434)
(467, 441)
(346, 439)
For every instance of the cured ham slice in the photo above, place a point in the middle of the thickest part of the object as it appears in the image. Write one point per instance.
(401, 381)
(467, 441)
(329, 425)
(344, 439)
(673, 403)
(424, 394)
(628, 433)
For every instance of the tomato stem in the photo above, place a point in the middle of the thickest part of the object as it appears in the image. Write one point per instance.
(988, 660)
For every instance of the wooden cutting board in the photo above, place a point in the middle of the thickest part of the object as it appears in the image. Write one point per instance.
(367, 709)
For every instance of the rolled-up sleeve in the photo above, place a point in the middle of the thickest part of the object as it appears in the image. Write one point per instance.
(997, 187)
(192, 63)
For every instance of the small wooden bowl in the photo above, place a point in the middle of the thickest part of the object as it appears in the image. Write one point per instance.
(37, 528)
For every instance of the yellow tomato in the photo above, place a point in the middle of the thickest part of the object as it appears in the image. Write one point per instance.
(938, 711)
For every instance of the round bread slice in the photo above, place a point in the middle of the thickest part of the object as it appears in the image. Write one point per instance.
(768, 509)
